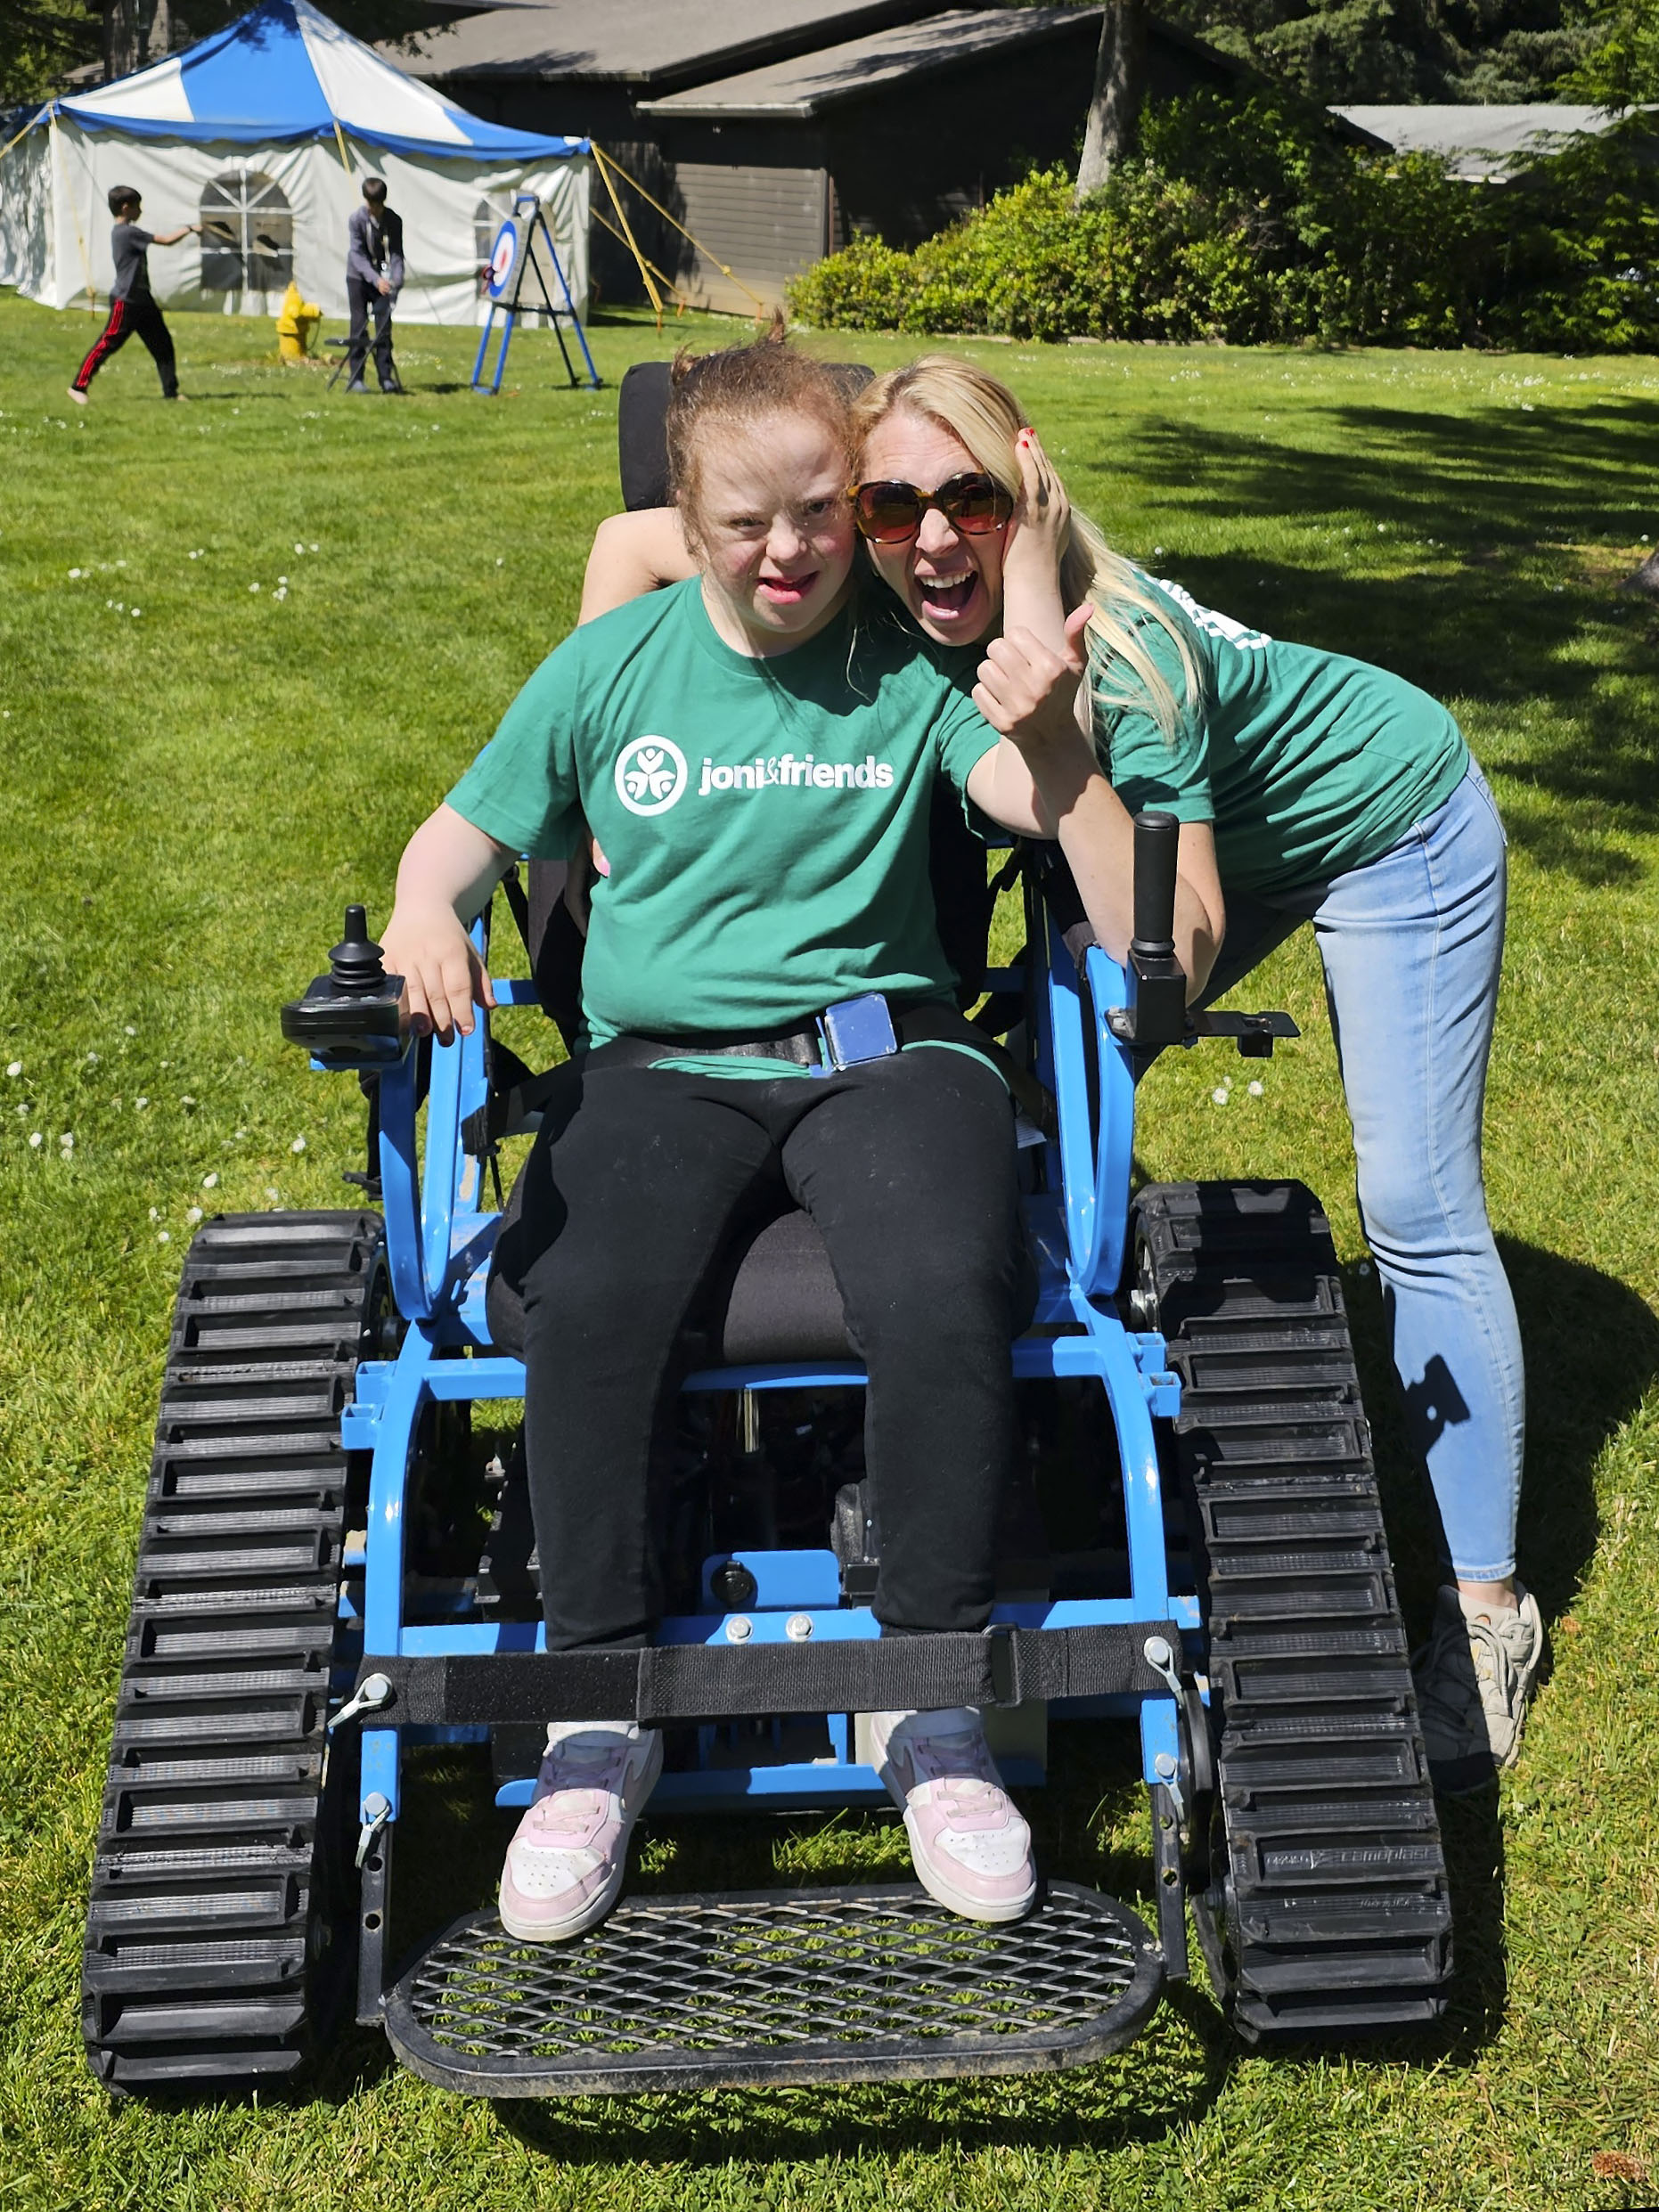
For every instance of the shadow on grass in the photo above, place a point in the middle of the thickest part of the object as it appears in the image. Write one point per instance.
(1516, 499)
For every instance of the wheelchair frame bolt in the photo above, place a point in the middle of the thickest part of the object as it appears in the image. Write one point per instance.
(740, 1628)
(1164, 1764)
(798, 1627)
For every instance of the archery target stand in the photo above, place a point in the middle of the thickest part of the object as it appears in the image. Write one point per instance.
(513, 261)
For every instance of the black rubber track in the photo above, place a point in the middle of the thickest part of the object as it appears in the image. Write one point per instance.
(220, 1910)
(1329, 1895)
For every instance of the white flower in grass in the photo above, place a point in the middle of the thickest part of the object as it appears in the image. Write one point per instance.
(35, 1140)
(1218, 1096)
(192, 1213)
(140, 1104)
(314, 548)
(299, 547)
(253, 587)
(162, 1237)
(272, 1193)
(187, 1100)
(155, 1213)
(281, 579)
(210, 1182)
(120, 563)
(68, 1140)
(92, 1059)
(136, 612)
(14, 1067)
(298, 1145)
(128, 1031)
(74, 572)
(1257, 1089)
(241, 1132)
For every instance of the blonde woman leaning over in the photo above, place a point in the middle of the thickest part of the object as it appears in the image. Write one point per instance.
(1312, 789)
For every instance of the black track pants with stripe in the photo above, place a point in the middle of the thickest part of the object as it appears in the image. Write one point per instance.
(140, 317)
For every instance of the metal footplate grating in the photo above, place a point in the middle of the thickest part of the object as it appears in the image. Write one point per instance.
(773, 1988)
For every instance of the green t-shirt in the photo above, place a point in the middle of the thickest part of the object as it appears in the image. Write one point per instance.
(765, 821)
(1308, 763)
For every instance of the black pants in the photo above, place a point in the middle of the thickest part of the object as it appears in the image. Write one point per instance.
(907, 1165)
(362, 297)
(140, 316)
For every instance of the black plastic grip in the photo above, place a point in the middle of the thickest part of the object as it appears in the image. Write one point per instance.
(1157, 839)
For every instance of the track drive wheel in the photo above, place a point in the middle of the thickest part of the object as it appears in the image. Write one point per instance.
(222, 1913)
(1325, 1909)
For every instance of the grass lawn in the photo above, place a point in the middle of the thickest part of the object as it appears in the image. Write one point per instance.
(246, 643)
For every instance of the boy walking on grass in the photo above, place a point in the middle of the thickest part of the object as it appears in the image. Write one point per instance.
(132, 304)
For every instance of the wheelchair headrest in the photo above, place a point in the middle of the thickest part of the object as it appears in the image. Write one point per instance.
(643, 428)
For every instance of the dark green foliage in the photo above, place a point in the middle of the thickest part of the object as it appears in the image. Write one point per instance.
(1405, 49)
(1247, 221)
(39, 39)
(1622, 68)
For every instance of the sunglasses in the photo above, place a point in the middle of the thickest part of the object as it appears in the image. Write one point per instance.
(887, 513)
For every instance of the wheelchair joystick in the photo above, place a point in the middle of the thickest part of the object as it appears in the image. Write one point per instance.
(356, 968)
(352, 1017)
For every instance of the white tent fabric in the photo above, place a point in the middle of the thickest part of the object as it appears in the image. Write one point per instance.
(267, 130)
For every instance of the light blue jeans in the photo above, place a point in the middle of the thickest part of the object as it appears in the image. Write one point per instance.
(1412, 943)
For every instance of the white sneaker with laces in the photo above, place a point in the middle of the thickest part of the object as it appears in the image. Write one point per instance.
(1473, 1677)
(565, 1862)
(969, 1844)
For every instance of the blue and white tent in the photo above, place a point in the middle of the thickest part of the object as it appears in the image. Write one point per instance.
(262, 134)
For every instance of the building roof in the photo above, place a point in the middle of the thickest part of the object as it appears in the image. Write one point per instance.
(810, 83)
(653, 43)
(1480, 142)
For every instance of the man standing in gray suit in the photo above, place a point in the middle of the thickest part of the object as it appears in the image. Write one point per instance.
(374, 277)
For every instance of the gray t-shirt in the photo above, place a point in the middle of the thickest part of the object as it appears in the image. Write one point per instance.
(132, 271)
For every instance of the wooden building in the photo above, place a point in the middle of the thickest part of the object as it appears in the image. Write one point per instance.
(776, 132)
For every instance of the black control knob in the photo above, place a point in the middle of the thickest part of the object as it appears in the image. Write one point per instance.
(354, 964)
(734, 1586)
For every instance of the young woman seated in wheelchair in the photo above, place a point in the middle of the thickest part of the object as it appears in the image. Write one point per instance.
(755, 755)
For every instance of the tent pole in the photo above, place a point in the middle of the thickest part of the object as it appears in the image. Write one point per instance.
(603, 159)
(80, 237)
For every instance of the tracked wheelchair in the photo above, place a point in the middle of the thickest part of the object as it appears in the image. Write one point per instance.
(1194, 1548)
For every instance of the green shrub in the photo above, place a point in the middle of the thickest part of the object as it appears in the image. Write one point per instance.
(1249, 221)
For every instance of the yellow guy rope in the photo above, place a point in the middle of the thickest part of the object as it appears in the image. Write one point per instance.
(603, 159)
(761, 308)
(340, 140)
(681, 302)
(23, 133)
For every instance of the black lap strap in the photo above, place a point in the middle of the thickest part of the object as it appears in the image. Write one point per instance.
(684, 1682)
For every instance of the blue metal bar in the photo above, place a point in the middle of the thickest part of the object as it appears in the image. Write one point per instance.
(400, 1188)
(383, 1573)
(515, 990)
(790, 1785)
(831, 1624)
(1115, 1140)
(559, 271)
(484, 346)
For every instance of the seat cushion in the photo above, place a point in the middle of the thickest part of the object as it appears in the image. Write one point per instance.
(773, 1296)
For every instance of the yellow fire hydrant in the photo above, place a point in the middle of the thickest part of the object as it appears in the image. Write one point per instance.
(297, 325)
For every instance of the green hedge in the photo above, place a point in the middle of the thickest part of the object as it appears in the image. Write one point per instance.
(1248, 221)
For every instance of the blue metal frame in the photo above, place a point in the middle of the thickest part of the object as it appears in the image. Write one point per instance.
(439, 1239)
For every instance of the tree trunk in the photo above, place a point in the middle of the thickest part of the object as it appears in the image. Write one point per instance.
(1120, 83)
(135, 32)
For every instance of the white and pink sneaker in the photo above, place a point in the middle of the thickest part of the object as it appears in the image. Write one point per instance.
(565, 1864)
(969, 1846)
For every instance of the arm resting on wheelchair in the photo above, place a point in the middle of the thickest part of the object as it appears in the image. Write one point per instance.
(445, 879)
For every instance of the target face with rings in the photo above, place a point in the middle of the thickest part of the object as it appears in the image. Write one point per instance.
(502, 258)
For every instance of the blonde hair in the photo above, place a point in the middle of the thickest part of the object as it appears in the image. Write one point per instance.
(987, 419)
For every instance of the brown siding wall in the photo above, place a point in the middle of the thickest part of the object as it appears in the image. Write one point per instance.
(766, 225)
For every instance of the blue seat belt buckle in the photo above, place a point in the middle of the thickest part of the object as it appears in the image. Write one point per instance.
(856, 1030)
